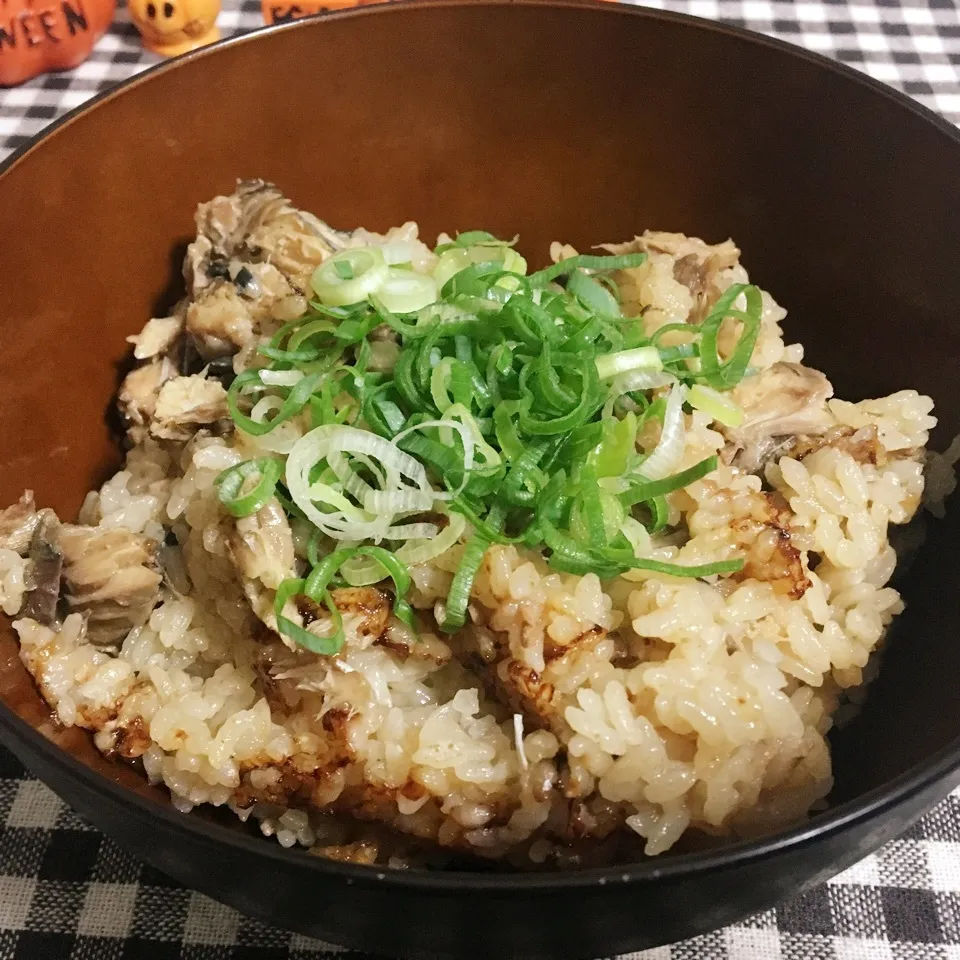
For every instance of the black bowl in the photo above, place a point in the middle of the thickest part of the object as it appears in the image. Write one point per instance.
(560, 120)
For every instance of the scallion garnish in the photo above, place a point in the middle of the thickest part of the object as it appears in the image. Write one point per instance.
(455, 607)
(509, 414)
(586, 262)
(311, 641)
(646, 490)
(246, 487)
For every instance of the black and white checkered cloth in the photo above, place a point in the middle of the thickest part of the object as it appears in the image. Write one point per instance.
(67, 892)
(911, 44)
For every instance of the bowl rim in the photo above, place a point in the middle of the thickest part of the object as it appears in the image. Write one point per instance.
(921, 778)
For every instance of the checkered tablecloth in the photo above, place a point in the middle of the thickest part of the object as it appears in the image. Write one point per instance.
(68, 892)
(911, 44)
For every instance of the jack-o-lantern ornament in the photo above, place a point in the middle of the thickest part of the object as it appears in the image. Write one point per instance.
(37, 36)
(172, 27)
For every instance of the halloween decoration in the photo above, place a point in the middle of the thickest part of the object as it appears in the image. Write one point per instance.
(283, 11)
(172, 27)
(37, 36)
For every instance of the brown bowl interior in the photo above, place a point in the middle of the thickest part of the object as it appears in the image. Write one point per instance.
(557, 122)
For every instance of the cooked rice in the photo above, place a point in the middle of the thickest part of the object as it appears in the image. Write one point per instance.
(650, 703)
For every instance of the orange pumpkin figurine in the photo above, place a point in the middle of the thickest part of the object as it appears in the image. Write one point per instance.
(172, 27)
(41, 35)
(283, 11)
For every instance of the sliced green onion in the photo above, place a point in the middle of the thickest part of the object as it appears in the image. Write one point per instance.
(651, 489)
(609, 562)
(722, 375)
(483, 456)
(331, 443)
(613, 455)
(471, 238)
(593, 528)
(593, 294)
(586, 405)
(548, 377)
(360, 571)
(570, 556)
(586, 262)
(406, 292)
(640, 380)
(455, 606)
(645, 358)
(325, 646)
(440, 383)
(444, 460)
(309, 330)
(288, 505)
(659, 512)
(280, 378)
(525, 478)
(669, 449)
(613, 515)
(405, 381)
(532, 323)
(476, 282)
(682, 570)
(484, 527)
(295, 401)
(637, 535)
(467, 386)
(721, 408)
(458, 257)
(596, 516)
(450, 262)
(233, 485)
(289, 356)
(513, 403)
(313, 547)
(368, 271)
(317, 582)
(506, 430)
(344, 269)
(382, 415)
(513, 263)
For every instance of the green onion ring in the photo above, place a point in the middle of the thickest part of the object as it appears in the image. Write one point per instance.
(316, 584)
(455, 606)
(231, 482)
(650, 489)
(325, 646)
(295, 401)
(625, 261)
